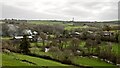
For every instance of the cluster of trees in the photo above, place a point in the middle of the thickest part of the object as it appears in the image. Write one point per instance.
(65, 56)
(17, 29)
(63, 49)
(93, 45)
(14, 21)
(107, 53)
(101, 35)
(108, 28)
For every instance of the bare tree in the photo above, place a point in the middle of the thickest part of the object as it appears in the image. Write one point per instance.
(44, 37)
(75, 44)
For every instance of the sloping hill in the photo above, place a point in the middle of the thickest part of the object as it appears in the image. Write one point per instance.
(24, 60)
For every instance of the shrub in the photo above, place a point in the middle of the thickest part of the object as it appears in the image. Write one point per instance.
(64, 56)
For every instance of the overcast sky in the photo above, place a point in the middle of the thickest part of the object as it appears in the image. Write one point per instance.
(92, 10)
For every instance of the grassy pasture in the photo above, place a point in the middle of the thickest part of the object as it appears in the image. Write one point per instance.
(72, 27)
(6, 38)
(6, 61)
(90, 61)
(9, 60)
(34, 44)
(45, 22)
(0, 59)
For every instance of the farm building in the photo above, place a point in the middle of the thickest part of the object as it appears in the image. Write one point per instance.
(106, 33)
(21, 37)
(32, 36)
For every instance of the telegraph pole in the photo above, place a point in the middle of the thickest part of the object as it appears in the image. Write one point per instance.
(73, 19)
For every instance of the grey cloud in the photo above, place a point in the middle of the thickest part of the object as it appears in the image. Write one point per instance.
(110, 14)
(74, 9)
(119, 10)
(24, 4)
(76, 12)
(14, 12)
(94, 5)
(65, 11)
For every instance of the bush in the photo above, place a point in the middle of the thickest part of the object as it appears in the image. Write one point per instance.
(9, 45)
(64, 56)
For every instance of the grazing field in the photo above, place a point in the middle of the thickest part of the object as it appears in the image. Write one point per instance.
(6, 38)
(72, 27)
(15, 60)
(116, 48)
(87, 61)
(44, 22)
(9, 60)
(0, 59)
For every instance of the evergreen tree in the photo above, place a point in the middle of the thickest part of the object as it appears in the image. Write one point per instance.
(25, 44)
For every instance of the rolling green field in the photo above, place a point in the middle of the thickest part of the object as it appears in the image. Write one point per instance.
(13, 60)
(6, 38)
(0, 59)
(45, 22)
(91, 62)
(68, 26)
(72, 27)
